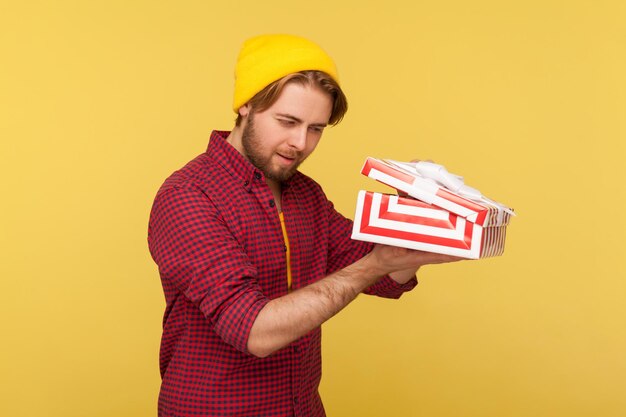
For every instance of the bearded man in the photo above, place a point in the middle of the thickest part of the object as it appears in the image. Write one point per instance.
(253, 257)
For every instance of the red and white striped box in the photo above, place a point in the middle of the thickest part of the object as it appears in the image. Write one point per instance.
(462, 223)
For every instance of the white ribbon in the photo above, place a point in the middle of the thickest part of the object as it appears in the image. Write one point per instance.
(438, 175)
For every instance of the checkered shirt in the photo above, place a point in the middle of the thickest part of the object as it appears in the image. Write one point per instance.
(216, 237)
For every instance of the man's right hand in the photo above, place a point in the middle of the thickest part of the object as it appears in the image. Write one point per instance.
(401, 263)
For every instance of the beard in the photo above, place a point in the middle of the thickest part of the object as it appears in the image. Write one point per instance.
(253, 150)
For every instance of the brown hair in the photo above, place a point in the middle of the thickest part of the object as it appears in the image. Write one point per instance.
(268, 96)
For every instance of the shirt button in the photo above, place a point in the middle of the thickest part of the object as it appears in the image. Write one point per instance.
(272, 204)
(246, 183)
(257, 176)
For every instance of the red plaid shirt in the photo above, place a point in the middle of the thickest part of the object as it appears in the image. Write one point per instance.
(216, 236)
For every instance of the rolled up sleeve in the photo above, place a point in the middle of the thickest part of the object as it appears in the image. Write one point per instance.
(388, 288)
(199, 258)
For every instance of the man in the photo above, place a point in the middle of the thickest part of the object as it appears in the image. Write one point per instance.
(252, 256)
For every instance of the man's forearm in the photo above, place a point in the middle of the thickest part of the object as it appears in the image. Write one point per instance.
(290, 317)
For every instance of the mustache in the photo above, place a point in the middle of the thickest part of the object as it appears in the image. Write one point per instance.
(290, 153)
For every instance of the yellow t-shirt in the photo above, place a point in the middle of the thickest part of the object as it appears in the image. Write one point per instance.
(288, 253)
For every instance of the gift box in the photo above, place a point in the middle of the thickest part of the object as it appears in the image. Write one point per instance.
(439, 214)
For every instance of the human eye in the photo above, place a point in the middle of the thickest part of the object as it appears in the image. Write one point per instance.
(286, 122)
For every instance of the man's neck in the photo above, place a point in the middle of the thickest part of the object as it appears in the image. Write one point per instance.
(234, 138)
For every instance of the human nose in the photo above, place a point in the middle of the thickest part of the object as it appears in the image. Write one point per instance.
(298, 139)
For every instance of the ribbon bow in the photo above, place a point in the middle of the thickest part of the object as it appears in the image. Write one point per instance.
(439, 175)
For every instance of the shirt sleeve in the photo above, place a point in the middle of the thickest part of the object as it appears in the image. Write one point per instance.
(343, 251)
(199, 258)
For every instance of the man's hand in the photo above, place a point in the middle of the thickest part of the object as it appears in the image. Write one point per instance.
(401, 264)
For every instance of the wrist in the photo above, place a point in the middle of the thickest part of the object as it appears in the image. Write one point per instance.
(372, 266)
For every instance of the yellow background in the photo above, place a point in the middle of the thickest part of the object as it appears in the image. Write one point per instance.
(100, 101)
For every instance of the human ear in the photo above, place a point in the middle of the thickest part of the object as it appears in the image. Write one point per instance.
(244, 110)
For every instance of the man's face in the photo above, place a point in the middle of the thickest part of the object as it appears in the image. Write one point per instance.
(279, 138)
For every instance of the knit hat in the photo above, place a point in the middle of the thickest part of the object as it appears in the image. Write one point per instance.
(268, 58)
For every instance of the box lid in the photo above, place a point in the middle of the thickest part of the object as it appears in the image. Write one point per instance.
(433, 184)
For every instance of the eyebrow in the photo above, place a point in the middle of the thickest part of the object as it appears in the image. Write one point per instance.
(295, 119)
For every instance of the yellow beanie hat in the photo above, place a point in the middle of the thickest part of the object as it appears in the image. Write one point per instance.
(268, 58)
